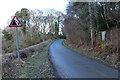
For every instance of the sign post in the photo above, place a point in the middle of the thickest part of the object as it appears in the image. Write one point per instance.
(16, 23)
(17, 44)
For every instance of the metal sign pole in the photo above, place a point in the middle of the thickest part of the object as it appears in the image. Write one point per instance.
(17, 44)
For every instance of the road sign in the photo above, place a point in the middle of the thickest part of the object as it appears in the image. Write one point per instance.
(15, 22)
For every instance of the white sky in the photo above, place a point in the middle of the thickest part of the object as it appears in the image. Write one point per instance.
(9, 7)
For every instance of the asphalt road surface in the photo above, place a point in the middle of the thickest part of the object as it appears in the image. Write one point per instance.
(70, 64)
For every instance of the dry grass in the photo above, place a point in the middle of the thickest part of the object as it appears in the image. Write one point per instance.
(98, 55)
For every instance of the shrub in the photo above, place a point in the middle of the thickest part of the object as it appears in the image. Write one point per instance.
(109, 46)
(102, 46)
(7, 35)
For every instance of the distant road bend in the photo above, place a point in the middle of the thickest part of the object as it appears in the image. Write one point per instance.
(70, 64)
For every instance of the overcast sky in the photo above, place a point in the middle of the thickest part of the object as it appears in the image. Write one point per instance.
(9, 7)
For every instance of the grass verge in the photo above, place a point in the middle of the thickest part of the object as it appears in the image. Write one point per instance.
(37, 65)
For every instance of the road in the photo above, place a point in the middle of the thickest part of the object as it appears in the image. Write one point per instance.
(70, 64)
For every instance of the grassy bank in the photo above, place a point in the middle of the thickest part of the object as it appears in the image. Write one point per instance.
(98, 56)
(38, 65)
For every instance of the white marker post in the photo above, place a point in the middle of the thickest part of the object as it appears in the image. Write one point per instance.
(16, 23)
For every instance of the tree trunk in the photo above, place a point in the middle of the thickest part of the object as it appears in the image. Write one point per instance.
(91, 29)
(111, 34)
(117, 40)
(105, 16)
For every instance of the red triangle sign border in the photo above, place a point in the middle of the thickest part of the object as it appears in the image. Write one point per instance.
(15, 25)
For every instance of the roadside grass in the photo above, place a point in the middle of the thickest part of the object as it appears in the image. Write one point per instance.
(37, 65)
(95, 55)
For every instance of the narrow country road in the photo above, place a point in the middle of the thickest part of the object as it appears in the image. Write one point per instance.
(70, 64)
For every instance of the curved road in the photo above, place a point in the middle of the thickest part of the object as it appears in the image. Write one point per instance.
(70, 64)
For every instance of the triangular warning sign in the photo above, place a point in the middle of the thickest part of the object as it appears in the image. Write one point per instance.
(15, 22)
